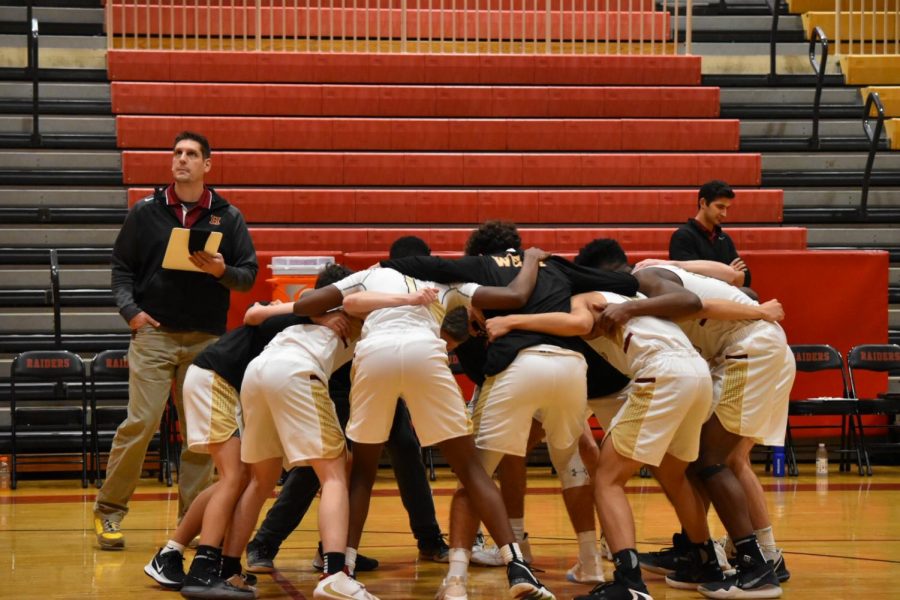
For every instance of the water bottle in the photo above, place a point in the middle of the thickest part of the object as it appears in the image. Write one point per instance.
(778, 461)
(4, 472)
(822, 461)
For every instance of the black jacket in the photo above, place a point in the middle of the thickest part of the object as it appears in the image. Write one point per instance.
(180, 300)
(691, 242)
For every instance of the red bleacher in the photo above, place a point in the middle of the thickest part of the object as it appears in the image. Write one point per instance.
(265, 205)
(296, 67)
(245, 99)
(455, 169)
(240, 133)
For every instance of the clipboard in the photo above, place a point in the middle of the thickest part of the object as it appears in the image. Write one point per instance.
(183, 242)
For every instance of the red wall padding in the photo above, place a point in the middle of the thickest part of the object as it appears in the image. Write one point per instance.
(636, 5)
(246, 133)
(245, 99)
(452, 169)
(287, 67)
(422, 23)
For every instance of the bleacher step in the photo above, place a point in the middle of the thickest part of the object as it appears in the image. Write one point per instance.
(839, 197)
(58, 236)
(74, 320)
(60, 160)
(827, 161)
(28, 196)
(55, 125)
(858, 236)
(70, 276)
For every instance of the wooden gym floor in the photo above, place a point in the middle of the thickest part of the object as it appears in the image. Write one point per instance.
(841, 539)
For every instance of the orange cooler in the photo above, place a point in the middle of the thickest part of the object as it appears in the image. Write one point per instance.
(293, 274)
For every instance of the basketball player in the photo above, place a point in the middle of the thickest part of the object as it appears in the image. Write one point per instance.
(400, 355)
(749, 363)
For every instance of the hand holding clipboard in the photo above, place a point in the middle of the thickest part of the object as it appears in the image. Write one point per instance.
(194, 250)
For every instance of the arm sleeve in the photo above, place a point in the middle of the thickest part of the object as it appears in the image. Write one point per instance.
(353, 283)
(682, 247)
(441, 270)
(585, 279)
(241, 275)
(125, 262)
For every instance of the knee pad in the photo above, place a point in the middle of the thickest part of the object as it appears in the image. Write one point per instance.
(573, 473)
(710, 471)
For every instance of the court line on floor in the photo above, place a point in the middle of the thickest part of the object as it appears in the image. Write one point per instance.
(287, 586)
(12, 498)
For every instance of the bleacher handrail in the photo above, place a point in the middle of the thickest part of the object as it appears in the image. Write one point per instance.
(34, 70)
(57, 305)
(874, 135)
(866, 41)
(775, 9)
(817, 39)
(405, 26)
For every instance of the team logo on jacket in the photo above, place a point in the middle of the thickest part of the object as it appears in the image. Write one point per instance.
(214, 220)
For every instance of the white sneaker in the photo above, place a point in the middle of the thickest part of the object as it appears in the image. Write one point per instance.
(721, 555)
(341, 586)
(605, 552)
(452, 588)
(485, 556)
(591, 573)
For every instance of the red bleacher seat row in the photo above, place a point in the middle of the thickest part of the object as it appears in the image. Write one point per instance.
(567, 5)
(246, 133)
(296, 67)
(422, 23)
(455, 169)
(246, 99)
(278, 205)
(364, 239)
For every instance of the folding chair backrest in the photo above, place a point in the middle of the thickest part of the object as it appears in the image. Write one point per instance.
(811, 358)
(110, 365)
(47, 365)
(872, 357)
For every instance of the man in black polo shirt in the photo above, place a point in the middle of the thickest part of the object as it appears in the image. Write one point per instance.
(702, 238)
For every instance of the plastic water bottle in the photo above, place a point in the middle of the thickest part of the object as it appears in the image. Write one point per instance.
(822, 461)
(4, 472)
(778, 461)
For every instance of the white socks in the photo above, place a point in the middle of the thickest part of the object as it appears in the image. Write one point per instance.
(173, 546)
(587, 547)
(350, 560)
(459, 562)
(766, 539)
(511, 552)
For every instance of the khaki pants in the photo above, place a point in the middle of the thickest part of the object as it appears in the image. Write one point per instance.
(156, 359)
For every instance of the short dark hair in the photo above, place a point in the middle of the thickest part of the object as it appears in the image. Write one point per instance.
(409, 245)
(493, 237)
(713, 190)
(602, 253)
(332, 273)
(456, 324)
(196, 137)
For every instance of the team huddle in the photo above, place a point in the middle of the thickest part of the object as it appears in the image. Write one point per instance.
(684, 371)
(708, 374)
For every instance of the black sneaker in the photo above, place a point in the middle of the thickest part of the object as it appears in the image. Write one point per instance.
(217, 588)
(691, 572)
(665, 561)
(617, 589)
(780, 568)
(166, 569)
(436, 551)
(363, 563)
(753, 580)
(260, 558)
(523, 584)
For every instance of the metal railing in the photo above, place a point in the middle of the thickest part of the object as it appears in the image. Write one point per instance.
(775, 9)
(817, 40)
(421, 26)
(33, 70)
(867, 27)
(874, 135)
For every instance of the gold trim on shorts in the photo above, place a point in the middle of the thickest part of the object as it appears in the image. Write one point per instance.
(730, 408)
(222, 418)
(478, 413)
(627, 429)
(332, 437)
